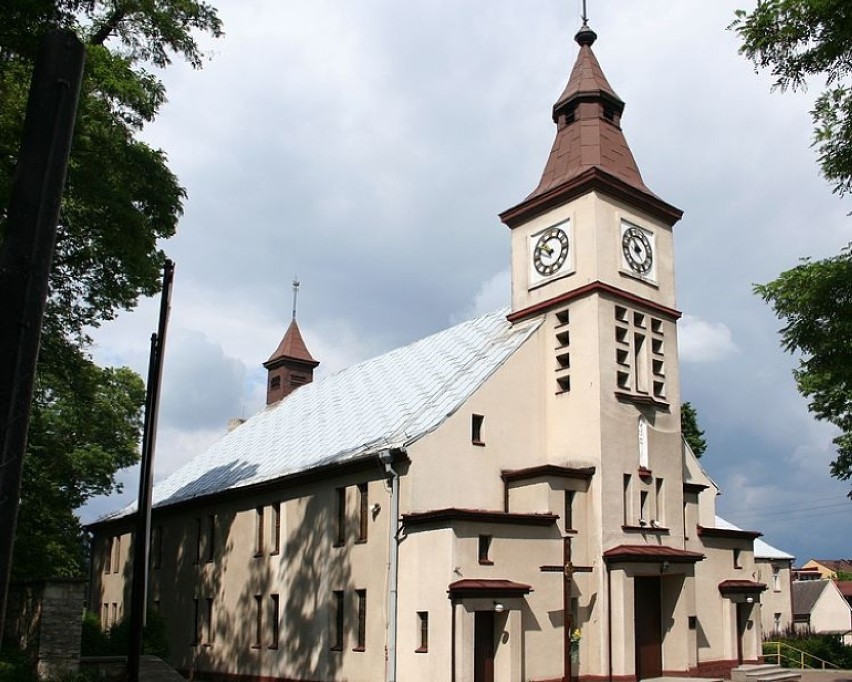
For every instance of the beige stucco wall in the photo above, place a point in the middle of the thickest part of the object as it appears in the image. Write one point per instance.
(777, 599)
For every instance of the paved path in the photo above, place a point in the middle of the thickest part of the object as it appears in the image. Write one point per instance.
(826, 675)
(152, 669)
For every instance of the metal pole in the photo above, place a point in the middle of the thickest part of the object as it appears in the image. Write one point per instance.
(25, 260)
(139, 587)
(567, 617)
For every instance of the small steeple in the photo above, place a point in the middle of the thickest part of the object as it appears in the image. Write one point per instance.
(291, 365)
(590, 150)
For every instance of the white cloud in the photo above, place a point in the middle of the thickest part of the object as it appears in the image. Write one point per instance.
(702, 341)
(493, 293)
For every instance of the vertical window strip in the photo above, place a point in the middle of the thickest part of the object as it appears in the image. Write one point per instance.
(117, 546)
(337, 634)
(275, 617)
(364, 511)
(258, 535)
(209, 620)
(108, 555)
(627, 517)
(340, 501)
(276, 528)
(258, 620)
(423, 621)
(569, 510)
(211, 537)
(196, 624)
(362, 620)
(198, 535)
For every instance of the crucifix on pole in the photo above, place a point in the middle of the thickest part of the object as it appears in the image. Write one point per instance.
(567, 569)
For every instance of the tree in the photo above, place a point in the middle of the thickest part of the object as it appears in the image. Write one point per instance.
(797, 40)
(815, 300)
(689, 428)
(120, 200)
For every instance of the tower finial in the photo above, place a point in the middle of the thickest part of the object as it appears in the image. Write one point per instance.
(585, 36)
(296, 284)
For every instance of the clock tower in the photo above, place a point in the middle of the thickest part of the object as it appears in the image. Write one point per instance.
(592, 254)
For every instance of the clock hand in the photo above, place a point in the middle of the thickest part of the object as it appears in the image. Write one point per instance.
(547, 249)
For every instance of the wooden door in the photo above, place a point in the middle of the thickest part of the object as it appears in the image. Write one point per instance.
(647, 620)
(483, 647)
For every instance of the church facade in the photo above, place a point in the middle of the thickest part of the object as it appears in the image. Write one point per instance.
(509, 499)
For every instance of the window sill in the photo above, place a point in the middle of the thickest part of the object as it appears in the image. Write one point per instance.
(338, 545)
(478, 443)
(641, 399)
(359, 649)
(660, 530)
(422, 650)
(361, 542)
(256, 646)
(272, 646)
(486, 562)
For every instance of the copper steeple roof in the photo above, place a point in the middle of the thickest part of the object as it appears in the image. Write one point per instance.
(292, 347)
(590, 150)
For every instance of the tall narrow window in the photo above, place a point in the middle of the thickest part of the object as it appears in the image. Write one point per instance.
(476, 429)
(642, 441)
(276, 528)
(364, 512)
(108, 555)
(156, 546)
(258, 621)
(274, 618)
(196, 623)
(627, 515)
(337, 622)
(105, 617)
(197, 539)
(209, 620)
(485, 550)
(258, 531)
(423, 623)
(115, 560)
(569, 510)
(640, 363)
(643, 507)
(776, 579)
(114, 613)
(362, 620)
(659, 502)
(340, 508)
(737, 559)
(211, 537)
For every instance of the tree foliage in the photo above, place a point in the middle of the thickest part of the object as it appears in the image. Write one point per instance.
(815, 301)
(120, 200)
(693, 435)
(799, 39)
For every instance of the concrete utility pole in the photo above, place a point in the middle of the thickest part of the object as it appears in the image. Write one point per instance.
(26, 255)
(142, 539)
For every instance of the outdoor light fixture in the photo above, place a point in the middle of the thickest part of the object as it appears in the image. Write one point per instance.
(498, 607)
(375, 508)
(666, 567)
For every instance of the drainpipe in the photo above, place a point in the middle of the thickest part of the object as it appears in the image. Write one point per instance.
(386, 458)
(609, 622)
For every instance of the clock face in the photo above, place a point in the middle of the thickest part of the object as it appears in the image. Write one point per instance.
(550, 251)
(637, 250)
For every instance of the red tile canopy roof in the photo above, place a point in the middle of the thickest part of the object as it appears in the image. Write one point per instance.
(651, 553)
(740, 586)
(469, 587)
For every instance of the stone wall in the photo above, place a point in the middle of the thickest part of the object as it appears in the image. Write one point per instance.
(44, 618)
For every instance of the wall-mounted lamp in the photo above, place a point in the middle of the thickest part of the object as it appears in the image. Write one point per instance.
(498, 607)
(375, 508)
(666, 567)
(749, 600)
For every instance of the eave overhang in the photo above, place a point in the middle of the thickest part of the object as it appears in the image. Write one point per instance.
(741, 587)
(487, 589)
(730, 533)
(446, 517)
(650, 554)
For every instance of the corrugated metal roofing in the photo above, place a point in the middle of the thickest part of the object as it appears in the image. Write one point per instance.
(389, 401)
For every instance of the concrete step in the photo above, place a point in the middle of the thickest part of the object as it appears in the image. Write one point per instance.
(764, 673)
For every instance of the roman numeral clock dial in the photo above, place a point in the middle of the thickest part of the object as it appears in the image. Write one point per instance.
(550, 251)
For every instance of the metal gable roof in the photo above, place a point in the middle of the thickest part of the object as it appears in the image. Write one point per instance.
(387, 402)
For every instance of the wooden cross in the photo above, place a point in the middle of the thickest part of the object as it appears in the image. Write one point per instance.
(567, 569)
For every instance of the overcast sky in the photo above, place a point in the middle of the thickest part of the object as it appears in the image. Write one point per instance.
(367, 147)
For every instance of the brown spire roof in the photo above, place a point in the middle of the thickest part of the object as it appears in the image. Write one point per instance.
(590, 149)
(292, 347)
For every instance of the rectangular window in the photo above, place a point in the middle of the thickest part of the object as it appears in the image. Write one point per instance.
(276, 528)
(157, 547)
(258, 531)
(114, 613)
(117, 556)
(209, 620)
(627, 516)
(640, 363)
(275, 382)
(196, 623)
(337, 622)
(364, 512)
(258, 621)
(362, 620)
(423, 623)
(776, 579)
(484, 550)
(685, 520)
(737, 560)
(776, 622)
(274, 618)
(105, 617)
(476, 429)
(340, 508)
(211, 537)
(198, 536)
(569, 510)
(108, 555)
(659, 502)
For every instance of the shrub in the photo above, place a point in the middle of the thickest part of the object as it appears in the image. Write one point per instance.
(115, 641)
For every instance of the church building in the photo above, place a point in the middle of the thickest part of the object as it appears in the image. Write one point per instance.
(507, 500)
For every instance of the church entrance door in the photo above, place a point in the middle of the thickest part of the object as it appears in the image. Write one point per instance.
(647, 622)
(483, 647)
